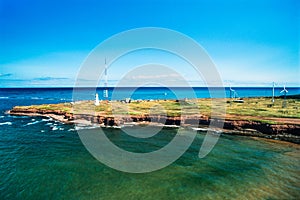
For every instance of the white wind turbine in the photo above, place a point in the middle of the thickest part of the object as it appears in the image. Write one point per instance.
(284, 91)
(232, 92)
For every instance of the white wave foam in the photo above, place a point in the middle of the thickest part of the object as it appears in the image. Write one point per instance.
(214, 131)
(1, 117)
(200, 129)
(5, 123)
(54, 128)
(31, 123)
(85, 127)
(4, 97)
(47, 120)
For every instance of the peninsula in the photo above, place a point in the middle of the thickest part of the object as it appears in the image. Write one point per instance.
(257, 117)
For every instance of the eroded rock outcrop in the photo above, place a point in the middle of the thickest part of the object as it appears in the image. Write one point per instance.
(287, 132)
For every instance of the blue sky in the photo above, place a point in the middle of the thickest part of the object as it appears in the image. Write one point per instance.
(252, 43)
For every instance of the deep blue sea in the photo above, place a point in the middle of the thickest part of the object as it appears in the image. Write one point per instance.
(41, 158)
(55, 95)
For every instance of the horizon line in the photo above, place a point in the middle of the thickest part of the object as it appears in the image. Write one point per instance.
(89, 87)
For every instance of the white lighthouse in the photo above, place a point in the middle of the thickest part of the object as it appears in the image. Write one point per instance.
(97, 100)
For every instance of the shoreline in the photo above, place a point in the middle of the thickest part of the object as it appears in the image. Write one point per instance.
(278, 132)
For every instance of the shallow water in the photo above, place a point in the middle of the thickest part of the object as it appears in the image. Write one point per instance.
(53, 164)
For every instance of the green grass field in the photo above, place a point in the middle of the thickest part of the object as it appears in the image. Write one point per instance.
(260, 109)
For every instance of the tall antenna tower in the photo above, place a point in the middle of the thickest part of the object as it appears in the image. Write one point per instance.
(105, 91)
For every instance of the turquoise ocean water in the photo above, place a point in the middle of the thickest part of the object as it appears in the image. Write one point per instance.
(45, 159)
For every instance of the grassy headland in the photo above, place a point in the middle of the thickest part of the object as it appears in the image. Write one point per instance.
(253, 109)
(253, 117)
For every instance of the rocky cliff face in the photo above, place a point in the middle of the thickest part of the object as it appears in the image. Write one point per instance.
(56, 114)
(287, 132)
